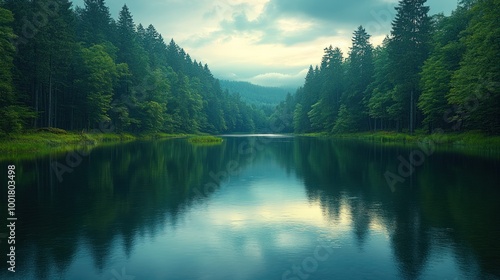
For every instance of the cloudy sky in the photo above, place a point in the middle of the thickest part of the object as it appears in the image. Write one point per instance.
(266, 42)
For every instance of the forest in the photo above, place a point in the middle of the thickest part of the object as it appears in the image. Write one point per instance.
(268, 97)
(74, 68)
(432, 74)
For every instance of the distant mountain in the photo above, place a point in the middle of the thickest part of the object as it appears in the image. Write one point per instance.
(254, 94)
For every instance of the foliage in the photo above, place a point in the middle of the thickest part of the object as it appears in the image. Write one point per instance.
(439, 67)
(97, 76)
(254, 94)
(13, 116)
(205, 140)
(80, 67)
(436, 73)
(49, 140)
(475, 86)
(408, 47)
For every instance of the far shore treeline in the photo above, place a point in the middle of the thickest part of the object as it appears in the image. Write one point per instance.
(75, 68)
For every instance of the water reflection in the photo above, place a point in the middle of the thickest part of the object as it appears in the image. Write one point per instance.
(452, 198)
(254, 207)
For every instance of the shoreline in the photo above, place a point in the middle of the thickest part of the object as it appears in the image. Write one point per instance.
(463, 139)
(45, 141)
(52, 141)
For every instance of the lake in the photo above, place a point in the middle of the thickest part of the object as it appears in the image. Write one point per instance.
(255, 207)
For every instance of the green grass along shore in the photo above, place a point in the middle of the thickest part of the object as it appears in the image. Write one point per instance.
(474, 144)
(471, 139)
(205, 140)
(53, 140)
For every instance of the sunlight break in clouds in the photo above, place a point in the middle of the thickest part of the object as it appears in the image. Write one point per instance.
(293, 25)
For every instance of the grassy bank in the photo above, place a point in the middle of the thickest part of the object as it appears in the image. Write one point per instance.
(44, 141)
(464, 139)
(52, 140)
(205, 140)
(161, 135)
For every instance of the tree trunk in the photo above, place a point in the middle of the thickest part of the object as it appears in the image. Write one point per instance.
(35, 91)
(55, 108)
(72, 111)
(36, 106)
(49, 117)
(411, 112)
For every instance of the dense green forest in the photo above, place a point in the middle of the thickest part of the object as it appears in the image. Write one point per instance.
(255, 94)
(432, 73)
(76, 68)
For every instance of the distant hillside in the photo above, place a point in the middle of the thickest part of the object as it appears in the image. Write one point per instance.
(255, 94)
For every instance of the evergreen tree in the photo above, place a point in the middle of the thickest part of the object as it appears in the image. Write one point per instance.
(94, 22)
(174, 58)
(359, 75)
(44, 57)
(408, 49)
(130, 51)
(7, 57)
(380, 90)
(185, 106)
(13, 115)
(324, 112)
(213, 105)
(155, 46)
(305, 100)
(281, 119)
(361, 68)
(345, 122)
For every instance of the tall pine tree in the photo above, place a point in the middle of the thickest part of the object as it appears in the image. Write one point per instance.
(324, 112)
(380, 90)
(409, 47)
(94, 25)
(12, 114)
(359, 76)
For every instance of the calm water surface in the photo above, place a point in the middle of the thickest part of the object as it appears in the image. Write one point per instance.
(255, 208)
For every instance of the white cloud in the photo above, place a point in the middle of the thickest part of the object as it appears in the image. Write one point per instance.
(279, 79)
(293, 25)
